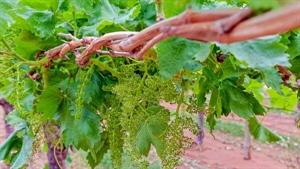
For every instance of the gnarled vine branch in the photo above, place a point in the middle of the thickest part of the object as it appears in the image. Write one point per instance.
(224, 26)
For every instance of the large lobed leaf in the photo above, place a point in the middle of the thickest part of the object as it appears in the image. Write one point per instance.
(256, 88)
(106, 14)
(6, 20)
(82, 133)
(261, 133)
(174, 53)
(295, 68)
(27, 44)
(294, 44)
(151, 131)
(242, 103)
(19, 147)
(41, 23)
(174, 7)
(259, 53)
(49, 101)
(273, 79)
(286, 101)
(24, 153)
(262, 4)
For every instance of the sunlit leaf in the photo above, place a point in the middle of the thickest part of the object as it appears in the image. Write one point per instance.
(273, 79)
(261, 133)
(286, 102)
(49, 101)
(174, 53)
(175, 7)
(260, 53)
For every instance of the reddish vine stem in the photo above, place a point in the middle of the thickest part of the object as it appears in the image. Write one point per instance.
(225, 26)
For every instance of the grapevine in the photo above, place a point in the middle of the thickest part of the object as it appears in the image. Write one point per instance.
(93, 74)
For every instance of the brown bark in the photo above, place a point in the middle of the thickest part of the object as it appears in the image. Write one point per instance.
(223, 25)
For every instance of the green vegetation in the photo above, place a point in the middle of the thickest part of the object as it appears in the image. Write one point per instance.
(102, 102)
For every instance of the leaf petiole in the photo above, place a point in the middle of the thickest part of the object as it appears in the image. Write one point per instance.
(103, 67)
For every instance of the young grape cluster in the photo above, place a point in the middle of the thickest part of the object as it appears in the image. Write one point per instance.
(84, 78)
(140, 89)
(13, 78)
(176, 140)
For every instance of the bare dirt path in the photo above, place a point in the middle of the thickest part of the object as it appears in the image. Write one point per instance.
(226, 152)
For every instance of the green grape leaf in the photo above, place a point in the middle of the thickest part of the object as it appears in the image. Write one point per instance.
(58, 5)
(204, 84)
(192, 65)
(13, 142)
(149, 133)
(253, 86)
(273, 79)
(144, 139)
(29, 89)
(147, 14)
(41, 23)
(93, 30)
(56, 76)
(225, 102)
(94, 91)
(27, 44)
(124, 4)
(294, 45)
(96, 154)
(93, 94)
(14, 118)
(259, 53)
(228, 69)
(24, 153)
(210, 74)
(261, 133)
(62, 5)
(295, 68)
(175, 7)
(49, 101)
(83, 132)
(106, 14)
(174, 53)
(216, 102)
(83, 5)
(242, 103)
(211, 122)
(262, 4)
(201, 88)
(154, 110)
(6, 20)
(151, 130)
(204, 5)
(287, 101)
(204, 51)
(19, 145)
